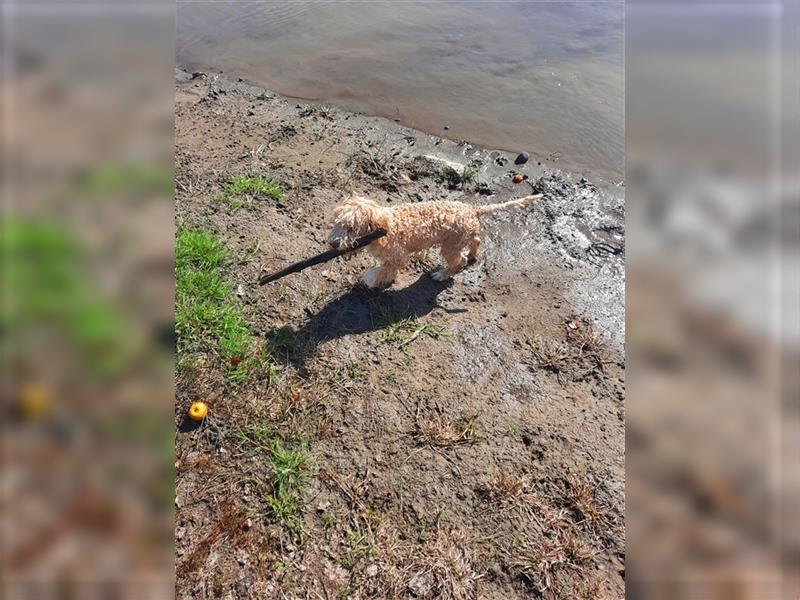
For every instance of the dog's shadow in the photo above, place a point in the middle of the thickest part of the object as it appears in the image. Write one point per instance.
(358, 310)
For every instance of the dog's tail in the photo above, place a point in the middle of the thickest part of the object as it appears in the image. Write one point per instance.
(490, 208)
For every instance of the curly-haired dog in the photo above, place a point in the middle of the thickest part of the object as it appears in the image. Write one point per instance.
(453, 226)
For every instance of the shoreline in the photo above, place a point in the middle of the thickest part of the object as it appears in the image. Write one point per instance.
(549, 159)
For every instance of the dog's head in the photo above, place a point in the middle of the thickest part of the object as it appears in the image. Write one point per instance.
(355, 217)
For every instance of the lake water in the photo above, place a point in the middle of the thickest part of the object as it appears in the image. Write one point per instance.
(542, 77)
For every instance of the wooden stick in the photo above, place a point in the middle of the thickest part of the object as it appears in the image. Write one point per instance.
(321, 258)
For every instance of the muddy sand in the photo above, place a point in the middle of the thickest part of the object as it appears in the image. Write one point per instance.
(434, 440)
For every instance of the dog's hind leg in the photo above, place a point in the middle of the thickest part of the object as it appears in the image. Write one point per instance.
(455, 259)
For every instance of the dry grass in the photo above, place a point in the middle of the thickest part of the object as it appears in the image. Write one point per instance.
(230, 525)
(440, 430)
(505, 486)
(549, 355)
(443, 567)
(543, 562)
(581, 498)
(583, 336)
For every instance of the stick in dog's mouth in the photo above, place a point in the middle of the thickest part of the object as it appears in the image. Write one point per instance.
(321, 258)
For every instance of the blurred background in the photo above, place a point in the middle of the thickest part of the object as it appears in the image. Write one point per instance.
(712, 124)
(87, 320)
(712, 217)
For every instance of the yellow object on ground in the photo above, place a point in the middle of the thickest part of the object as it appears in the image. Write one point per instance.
(198, 411)
(34, 401)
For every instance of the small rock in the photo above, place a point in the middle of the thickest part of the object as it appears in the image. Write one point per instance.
(240, 290)
(248, 525)
(323, 506)
(446, 127)
(420, 586)
(583, 179)
(518, 178)
(521, 159)
(371, 571)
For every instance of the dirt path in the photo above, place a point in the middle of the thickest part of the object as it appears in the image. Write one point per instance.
(460, 440)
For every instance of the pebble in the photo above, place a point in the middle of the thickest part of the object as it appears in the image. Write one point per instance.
(446, 127)
(518, 178)
(521, 159)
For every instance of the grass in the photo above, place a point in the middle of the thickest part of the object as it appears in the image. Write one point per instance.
(281, 339)
(290, 469)
(454, 179)
(245, 189)
(50, 288)
(206, 319)
(582, 500)
(405, 329)
(126, 178)
(442, 431)
(543, 561)
(356, 372)
(361, 544)
(328, 520)
(511, 431)
(505, 486)
(469, 175)
(549, 355)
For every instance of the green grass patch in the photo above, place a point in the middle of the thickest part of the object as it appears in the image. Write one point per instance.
(356, 372)
(244, 190)
(125, 178)
(404, 329)
(50, 290)
(469, 175)
(205, 316)
(281, 339)
(291, 469)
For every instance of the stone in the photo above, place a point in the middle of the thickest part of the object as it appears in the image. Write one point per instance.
(521, 159)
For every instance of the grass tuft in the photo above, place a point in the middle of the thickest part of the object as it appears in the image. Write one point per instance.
(290, 468)
(397, 328)
(469, 175)
(549, 355)
(442, 431)
(245, 189)
(541, 562)
(505, 486)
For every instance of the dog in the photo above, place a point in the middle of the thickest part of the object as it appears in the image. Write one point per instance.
(452, 226)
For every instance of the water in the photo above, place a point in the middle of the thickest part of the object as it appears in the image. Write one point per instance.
(542, 77)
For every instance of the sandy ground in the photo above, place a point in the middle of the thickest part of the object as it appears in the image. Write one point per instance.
(465, 439)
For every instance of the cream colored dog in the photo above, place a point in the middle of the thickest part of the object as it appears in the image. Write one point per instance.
(452, 226)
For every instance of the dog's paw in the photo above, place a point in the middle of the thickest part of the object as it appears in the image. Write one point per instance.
(440, 275)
